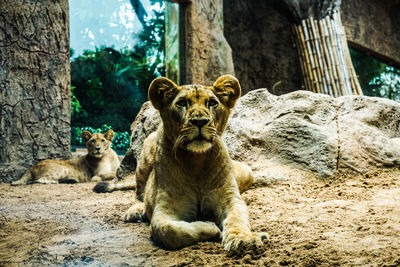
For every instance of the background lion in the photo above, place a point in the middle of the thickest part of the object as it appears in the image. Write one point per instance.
(189, 184)
(100, 163)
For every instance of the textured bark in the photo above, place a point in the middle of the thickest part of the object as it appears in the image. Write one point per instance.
(207, 53)
(34, 84)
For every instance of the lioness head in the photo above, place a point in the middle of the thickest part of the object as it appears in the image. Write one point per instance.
(97, 143)
(194, 116)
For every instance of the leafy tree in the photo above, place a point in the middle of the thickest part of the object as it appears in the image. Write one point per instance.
(76, 107)
(387, 84)
(107, 88)
(111, 85)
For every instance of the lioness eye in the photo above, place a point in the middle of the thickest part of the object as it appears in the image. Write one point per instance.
(103, 140)
(212, 103)
(181, 103)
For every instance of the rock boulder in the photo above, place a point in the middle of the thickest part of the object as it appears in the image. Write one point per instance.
(279, 136)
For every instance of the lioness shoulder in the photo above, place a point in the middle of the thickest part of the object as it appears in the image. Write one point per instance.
(189, 185)
(100, 163)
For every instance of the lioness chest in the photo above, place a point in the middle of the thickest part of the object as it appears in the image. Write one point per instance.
(108, 163)
(194, 192)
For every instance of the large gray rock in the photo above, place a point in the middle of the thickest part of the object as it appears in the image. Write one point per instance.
(369, 130)
(297, 129)
(282, 136)
(144, 124)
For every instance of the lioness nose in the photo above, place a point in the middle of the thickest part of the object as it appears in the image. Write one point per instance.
(199, 122)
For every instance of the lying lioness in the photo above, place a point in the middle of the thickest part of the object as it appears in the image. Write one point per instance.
(190, 185)
(99, 164)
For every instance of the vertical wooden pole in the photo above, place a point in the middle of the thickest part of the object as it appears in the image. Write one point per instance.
(326, 64)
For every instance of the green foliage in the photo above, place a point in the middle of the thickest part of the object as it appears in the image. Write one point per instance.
(76, 107)
(107, 85)
(120, 142)
(111, 86)
(375, 77)
(387, 84)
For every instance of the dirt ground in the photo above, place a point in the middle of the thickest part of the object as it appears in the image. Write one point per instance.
(346, 221)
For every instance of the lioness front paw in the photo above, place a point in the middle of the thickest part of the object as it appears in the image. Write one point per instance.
(240, 242)
(96, 179)
(208, 231)
(135, 213)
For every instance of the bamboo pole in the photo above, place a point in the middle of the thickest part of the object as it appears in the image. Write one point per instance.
(311, 57)
(306, 64)
(308, 61)
(357, 88)
(335, 57)
(322, 63)
(313, 51)
(317, 55)
(325, 58)
(345, 68)
(300, 53)
(330, 51)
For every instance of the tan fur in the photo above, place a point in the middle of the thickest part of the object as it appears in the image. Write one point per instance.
(100, 163)
(189, 184)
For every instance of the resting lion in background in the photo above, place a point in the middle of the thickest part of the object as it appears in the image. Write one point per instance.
(189, 184)
(100, 163)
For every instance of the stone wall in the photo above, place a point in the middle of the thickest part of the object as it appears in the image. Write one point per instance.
(374, 26)
(34, 84)
(259, 33)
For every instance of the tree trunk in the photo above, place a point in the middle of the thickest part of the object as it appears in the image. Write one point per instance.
(34, 84)
(207, 54)
(322, 47)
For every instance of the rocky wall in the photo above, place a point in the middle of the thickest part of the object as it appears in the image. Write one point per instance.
(259, 33)
(374, 26)
(34, 84)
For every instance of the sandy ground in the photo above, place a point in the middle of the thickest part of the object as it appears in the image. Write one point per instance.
(346, 221)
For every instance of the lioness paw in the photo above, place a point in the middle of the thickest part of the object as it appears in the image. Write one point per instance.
(208, 231)
(239, 243)
(135, 213)
(103, 187)
(96, 179)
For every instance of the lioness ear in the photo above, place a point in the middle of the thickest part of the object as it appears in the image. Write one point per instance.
(109, 135)
(86, 135)
(227, 89)
(162, 91)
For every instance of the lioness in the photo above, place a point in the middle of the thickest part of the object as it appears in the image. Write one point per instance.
(189, 184)
(100, 163)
